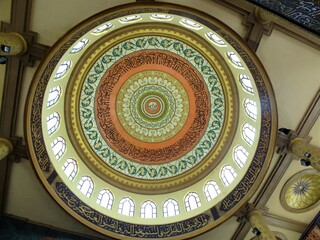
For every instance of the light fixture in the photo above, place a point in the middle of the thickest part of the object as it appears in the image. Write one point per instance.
(3, 60)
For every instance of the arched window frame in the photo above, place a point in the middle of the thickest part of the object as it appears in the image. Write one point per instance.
(62, 69)
(129, 19)
(79, 46)
(216, 39)
(122, 206)
(192, 201)
(161, 17)
(54, 95)
(250, 107)
(102, 28)
(248, 133)
(228, 174)
(70, 168)
(246, 83)
(170, 211)
(240, 156)
(53, 122)
(86, 186)
(58, 147)
(145, 207)
(235, 59)
(105, 198)
(190, 24)
(211, 190)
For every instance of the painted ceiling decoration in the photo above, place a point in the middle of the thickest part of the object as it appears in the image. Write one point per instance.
(151, 121)
(303, 13)
(301, 192)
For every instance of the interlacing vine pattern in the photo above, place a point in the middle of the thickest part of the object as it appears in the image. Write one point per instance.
(151, 107)
(147, 171)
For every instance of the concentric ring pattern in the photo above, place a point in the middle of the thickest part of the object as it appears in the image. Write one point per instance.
(151, 111)
(301, 192)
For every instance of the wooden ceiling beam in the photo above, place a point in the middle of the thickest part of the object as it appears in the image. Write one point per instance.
(285, 159)
(285, 223)
(281, 24)
(20, 17)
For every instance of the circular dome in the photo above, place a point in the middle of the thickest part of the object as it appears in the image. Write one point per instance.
(147, 111)
(301, 192)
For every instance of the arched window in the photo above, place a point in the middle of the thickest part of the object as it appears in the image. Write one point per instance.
(211, 190)
(246, 83)
(54, 95)
(192, 201)
(58, 147)
(53, 121)
(126, 207)
(130, 18)
(240, 156)
(105, 199)
(79, 46)
(248, 133)
(228, 175)
(170, 208)
(148, 209)
(251, 108)
(161, 17)
(70, 168)
(86, 186)
(62, 70)
(234, 59)
(103, 28)
(190, 24)
(214, 37)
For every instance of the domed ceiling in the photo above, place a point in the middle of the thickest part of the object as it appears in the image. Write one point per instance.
(151, 121)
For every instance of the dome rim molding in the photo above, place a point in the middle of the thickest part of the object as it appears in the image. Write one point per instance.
(208, 219)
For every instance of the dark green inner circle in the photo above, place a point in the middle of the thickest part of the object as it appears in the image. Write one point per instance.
(145, 117)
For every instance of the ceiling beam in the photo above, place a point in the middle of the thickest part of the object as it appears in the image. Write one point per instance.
(285, 223)
(281, 24)
(285, 159)
(20, 17)
(259, 22)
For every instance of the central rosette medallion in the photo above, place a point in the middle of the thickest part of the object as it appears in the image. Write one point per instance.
(150, 108)
(155, 110)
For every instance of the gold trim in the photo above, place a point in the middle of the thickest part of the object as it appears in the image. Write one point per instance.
(160, 185)
(294, 179)
(123, 10)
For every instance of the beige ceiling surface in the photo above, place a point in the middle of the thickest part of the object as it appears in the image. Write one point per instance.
(60, 16)
(220, 12)
(293, 68)
(274, 202)
(315, 132)
(27, 78)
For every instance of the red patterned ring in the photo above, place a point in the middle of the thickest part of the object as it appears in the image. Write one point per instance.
(155, 104)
